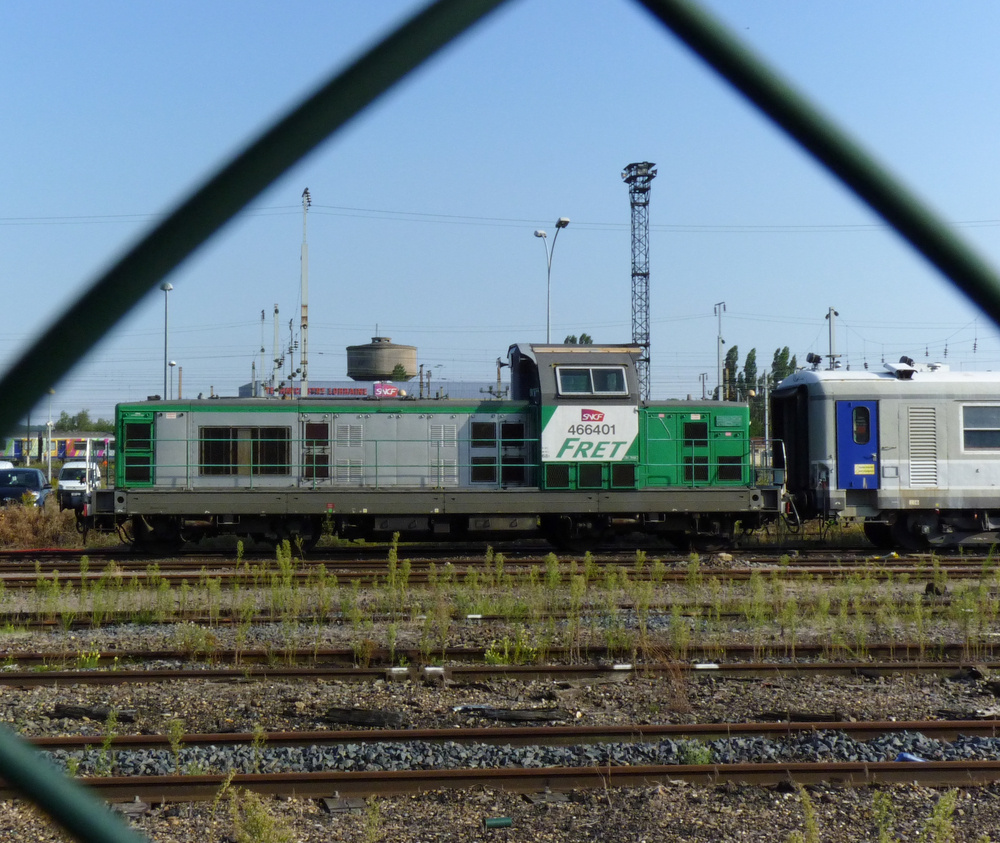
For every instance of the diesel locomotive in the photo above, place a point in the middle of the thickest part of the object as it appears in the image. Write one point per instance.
(572, 454)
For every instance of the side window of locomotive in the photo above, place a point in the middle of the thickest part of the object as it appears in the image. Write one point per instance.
(862, 425)
(981, 428)
(484, 434)
(609, 381)
(215, 450)
(243, 450)
(270, 452)
(596, 380)
(512, 433)
(573, 381)
(696, 433)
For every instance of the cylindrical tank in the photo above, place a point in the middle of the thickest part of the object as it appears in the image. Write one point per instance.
(378, 361)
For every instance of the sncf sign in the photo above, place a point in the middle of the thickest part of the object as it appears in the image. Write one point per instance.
(591, 416)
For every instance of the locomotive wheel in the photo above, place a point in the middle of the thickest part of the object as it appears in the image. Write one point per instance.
(679, 539)
(710, 543)
(304, 533)
(160, 536)
(879, 534)
(574, 535)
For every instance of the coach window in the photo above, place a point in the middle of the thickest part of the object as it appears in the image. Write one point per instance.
(981, 428)
(862, 426)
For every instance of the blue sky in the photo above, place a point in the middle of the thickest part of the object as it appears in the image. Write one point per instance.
(424, 207)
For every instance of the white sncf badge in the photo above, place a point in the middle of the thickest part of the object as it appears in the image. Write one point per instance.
(582, 434)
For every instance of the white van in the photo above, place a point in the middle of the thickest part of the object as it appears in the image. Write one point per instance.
(76, 481)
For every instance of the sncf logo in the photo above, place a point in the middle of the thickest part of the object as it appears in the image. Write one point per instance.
(591, 416)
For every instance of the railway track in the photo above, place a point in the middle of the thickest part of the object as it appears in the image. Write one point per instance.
(476, 673)
(380, 782)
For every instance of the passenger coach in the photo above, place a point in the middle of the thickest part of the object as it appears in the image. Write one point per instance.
(912, 451)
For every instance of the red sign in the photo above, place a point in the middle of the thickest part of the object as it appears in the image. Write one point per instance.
(591, 416)
(386, 390)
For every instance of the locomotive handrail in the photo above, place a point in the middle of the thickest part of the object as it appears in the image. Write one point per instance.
(756, 466)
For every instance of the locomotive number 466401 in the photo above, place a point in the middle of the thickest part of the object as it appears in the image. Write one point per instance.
(591, 429)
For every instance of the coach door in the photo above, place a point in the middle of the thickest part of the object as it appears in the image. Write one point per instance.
(857, 445)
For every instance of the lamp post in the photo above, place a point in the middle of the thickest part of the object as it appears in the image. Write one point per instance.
(166, 286)
(48, 437)
(562, 222)
(720, 308)
(171, 393)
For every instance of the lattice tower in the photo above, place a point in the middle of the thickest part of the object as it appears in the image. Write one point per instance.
(638, 178)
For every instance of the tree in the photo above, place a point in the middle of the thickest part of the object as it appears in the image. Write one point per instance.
(782, 365)
(584, 339)
(729, 371)
(399, 373)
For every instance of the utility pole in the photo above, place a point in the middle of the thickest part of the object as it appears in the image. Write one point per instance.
(638, 178)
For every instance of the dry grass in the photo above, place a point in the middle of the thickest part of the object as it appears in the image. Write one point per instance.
(32, 526)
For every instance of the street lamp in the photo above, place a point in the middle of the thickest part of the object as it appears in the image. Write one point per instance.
(562, 222)
(48, 438)
(166, 286)
(171, 393)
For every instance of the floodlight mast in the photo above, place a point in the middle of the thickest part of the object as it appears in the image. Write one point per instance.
(638, 177)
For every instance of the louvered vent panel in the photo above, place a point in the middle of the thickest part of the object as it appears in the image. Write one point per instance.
(348, 471)
(923, 447)
(447, 472)
(444, 434)
(349, 436)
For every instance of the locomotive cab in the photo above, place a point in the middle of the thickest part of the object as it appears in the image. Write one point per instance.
(588, 397)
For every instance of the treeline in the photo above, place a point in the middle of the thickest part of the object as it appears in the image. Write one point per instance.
(747, 384)
(83, 422)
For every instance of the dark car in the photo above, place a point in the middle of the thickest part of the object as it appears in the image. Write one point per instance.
(15, 483)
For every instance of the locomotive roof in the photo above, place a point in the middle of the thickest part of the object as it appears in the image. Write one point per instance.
(323, 404)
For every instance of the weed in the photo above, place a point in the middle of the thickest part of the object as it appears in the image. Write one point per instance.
(105, 761)
(257, 746)
(88, 659)
(373, 820)
(695, 752)
(252, 822)
(811, 833)
(175, 731)
(939, 827)
(885, 816)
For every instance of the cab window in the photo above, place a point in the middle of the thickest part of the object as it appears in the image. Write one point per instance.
(591, 380)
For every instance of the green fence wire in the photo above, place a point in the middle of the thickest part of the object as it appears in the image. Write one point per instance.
(263, 161)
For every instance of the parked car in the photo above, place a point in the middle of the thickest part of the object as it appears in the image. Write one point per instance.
(76, 481)
(15, 483)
